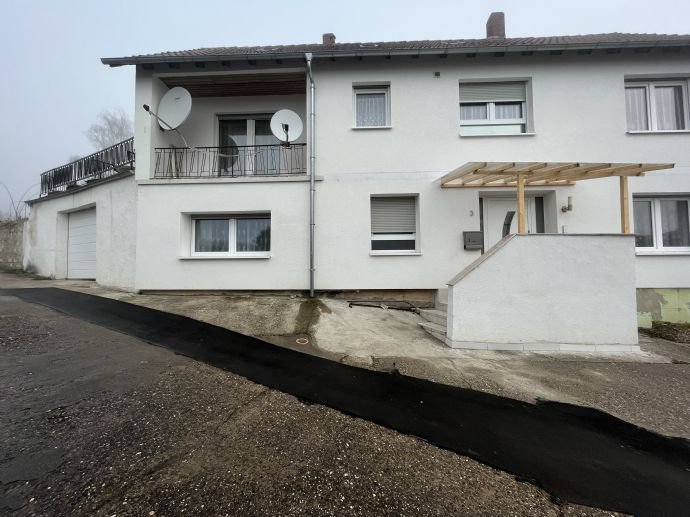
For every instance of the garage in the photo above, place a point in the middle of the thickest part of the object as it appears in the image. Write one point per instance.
(81, 245)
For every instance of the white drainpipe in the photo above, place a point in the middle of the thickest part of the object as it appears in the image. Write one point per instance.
(312, 173)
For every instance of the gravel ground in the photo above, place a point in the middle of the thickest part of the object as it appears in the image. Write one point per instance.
(99, 423)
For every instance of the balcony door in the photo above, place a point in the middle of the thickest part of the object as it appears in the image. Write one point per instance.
(247, 146)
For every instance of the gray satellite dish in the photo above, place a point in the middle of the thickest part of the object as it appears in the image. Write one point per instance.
(286, 125)
(174, 108)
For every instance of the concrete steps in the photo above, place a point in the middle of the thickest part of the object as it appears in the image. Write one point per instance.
(437, 331)
(436, 319)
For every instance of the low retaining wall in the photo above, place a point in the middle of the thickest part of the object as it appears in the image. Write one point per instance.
(12, 244)
(547, 292)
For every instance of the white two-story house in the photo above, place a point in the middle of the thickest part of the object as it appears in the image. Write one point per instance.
(356, 203)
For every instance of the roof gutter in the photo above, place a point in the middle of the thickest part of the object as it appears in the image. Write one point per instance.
(374, 52)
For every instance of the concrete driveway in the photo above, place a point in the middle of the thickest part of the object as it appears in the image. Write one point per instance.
(98, 423)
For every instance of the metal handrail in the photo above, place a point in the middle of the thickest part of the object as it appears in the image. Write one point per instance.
(231, 161)
(101, 164)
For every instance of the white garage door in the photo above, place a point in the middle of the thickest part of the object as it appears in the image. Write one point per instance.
(81, 245)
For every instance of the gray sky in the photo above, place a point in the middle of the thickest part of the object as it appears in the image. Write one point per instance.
(54, 84)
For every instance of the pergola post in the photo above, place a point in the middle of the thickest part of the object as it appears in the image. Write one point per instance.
(625, 205)
(521, 203)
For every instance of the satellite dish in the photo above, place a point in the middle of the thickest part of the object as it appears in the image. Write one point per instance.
(286, 125)
(174, 108)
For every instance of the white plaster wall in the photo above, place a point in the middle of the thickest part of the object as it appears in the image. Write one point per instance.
(578, 115)
(116, 215)
(163, 236)
(548, 289)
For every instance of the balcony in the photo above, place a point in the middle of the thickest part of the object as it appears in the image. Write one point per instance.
(230, 162)
(113, 160)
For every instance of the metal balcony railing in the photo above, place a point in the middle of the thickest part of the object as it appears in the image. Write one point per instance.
(221, 162)
(101, 164)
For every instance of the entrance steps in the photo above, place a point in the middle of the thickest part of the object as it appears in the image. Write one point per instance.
(436, 319)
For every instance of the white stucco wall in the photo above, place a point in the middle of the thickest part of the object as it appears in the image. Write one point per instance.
(547, 292)
(116, 215)
(164, 236)
(578, 114)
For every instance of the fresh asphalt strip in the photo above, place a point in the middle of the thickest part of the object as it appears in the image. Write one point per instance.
(578, 454)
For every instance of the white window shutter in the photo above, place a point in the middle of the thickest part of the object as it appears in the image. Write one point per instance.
(393, 214)
(493, 92)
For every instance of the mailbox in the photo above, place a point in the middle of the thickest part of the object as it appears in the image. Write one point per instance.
(473, 240)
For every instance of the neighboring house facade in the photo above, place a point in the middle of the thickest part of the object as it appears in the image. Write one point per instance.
(232, 211)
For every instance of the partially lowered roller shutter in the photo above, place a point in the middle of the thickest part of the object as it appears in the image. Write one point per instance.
(81, 245)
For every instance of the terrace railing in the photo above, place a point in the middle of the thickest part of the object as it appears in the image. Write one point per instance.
(101, 164)
(220, 162)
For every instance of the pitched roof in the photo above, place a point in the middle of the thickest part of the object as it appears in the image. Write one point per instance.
(544, 43)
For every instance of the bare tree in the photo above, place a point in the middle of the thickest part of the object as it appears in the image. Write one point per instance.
(18, 209)
(73, 158)
(112, 127)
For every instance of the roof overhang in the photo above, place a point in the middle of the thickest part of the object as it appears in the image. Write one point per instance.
(506, 174)
(383, 51)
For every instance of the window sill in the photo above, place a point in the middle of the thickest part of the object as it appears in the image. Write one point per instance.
(358, 128)
(395, 253)
(660, 132)
(661, 253)
(226, 257)
(498, 135)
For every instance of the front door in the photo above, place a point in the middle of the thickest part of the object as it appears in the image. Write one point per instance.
(496, 213)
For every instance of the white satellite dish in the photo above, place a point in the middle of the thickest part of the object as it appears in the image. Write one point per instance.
(286, 125)
(174, 108)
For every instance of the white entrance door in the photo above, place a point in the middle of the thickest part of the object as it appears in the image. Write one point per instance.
(494, 214)
(81, 245)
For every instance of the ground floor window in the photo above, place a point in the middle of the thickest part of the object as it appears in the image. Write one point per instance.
(231, 235)
(393, 223)
(662, 224)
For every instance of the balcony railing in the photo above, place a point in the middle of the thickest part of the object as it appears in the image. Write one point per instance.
(102, 164)
(230, 162)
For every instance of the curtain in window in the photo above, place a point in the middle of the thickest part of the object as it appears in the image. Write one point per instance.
(669, 107)
(642, 214)
(636, 108)
(508, 110)
(371, 109)
(473, 112)
(211, 235)
(675, 225)
(253, 235)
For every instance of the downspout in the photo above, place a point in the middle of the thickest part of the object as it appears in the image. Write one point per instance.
(312, 173)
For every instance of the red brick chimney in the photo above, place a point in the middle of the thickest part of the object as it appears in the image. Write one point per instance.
(328, 38)
(495, 25)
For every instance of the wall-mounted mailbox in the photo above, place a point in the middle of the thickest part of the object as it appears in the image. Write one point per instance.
(473, 240)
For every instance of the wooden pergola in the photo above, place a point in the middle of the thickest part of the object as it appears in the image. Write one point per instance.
(547, 174)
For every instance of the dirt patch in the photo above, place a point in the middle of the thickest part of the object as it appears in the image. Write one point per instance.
(309, 313)
(677, 332)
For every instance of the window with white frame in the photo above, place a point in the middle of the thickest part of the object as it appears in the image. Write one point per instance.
(372, 106)
(662, 224)
(231, 235)
(493, 108)
(393, 224)
(656, 105)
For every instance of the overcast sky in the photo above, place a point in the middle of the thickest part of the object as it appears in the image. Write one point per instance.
(54, 85)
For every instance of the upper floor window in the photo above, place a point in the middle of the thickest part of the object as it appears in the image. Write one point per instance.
(495, 108)
(656, 106)
(372, 106)
(662, 224)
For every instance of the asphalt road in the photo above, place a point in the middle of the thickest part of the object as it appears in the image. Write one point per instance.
(101, 422)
